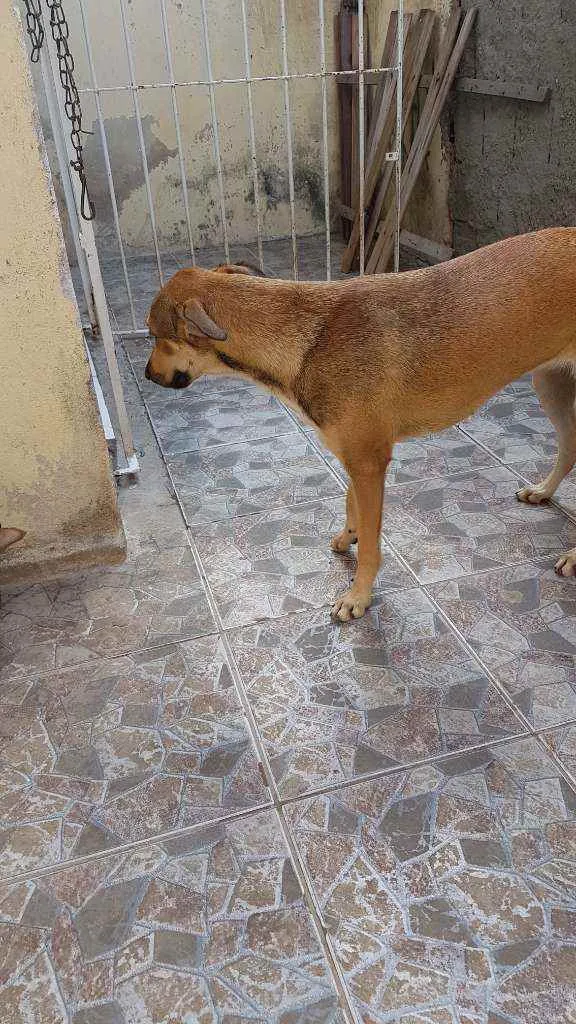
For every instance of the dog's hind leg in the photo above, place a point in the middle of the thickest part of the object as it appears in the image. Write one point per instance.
(368, 485)
(556, 389)
(349, 535)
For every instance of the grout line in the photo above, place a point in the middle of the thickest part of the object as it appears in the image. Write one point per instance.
(136, 844)
(299, 867)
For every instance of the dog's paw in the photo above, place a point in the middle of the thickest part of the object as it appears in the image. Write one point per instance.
(342, 541)
(350, 605)
(566, 566)
(533, 495)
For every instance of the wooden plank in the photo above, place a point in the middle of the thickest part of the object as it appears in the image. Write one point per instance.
(435, 100)
(386, 59)
(508, 90)
(383, 124)
(416, 51)
(434, 252)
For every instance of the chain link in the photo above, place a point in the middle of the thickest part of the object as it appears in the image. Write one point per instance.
(60, 34)
(34, 28)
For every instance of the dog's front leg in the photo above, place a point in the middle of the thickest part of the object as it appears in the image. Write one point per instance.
(368, 495)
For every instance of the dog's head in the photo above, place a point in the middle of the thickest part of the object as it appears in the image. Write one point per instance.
(183, 330)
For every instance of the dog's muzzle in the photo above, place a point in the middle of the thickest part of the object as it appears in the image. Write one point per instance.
(179, 380)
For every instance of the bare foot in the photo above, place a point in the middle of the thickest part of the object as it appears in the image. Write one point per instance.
(342, 541)
(535, 494)
(350, 605)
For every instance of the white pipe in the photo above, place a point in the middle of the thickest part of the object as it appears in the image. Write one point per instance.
(88, 243)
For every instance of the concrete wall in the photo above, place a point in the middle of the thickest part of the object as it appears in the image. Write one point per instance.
(514, 161)
(55, 481)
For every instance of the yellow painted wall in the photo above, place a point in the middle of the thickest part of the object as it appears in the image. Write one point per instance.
(55, 480)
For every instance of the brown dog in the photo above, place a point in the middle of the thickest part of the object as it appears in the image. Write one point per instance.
(373, 360)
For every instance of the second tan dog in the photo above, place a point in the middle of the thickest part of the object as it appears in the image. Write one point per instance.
(373, 360)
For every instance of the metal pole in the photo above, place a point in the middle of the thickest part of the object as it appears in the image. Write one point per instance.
(253, 159)
(188, 84)
(325, 137)
(361, 126)
(176, 113)
(399, 128)
(215, 131)
(288, 115)
(107, 162)
(87, 241)
(138, 116)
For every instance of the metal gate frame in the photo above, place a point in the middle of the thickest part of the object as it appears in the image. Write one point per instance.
(83, 232)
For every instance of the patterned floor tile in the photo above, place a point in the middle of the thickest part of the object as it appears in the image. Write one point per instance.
(522, 623)
(238, 479)
(119, 750)
(208, 928)
(156, 597)
(273, 563)
(332, 702)
(185, 423)
(447, 526)
(512, 425)
(450, 890)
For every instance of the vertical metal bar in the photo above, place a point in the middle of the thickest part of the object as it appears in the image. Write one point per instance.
(215, 132)
(361, 126)
(399, 129)
(176, 113)
(288, 115)
(88, 243)
(64, 166)
(107, 162)
(253, 159)
(325, 137)
(138, 116)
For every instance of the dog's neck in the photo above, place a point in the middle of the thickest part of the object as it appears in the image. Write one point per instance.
(263, 342)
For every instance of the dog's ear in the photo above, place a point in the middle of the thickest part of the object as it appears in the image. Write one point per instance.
(198, 321)
(239, 268)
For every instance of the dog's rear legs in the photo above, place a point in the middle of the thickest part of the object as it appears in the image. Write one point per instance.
(349, 535)
(366, 495)
(556, 389)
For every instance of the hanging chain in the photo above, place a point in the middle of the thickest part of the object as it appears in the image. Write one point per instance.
(34, 28)
(60, 34)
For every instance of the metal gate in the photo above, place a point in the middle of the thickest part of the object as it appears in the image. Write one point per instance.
(82, 231)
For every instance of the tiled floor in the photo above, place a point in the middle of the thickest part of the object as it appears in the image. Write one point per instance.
(218, 806)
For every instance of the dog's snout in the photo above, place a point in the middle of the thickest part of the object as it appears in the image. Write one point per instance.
(147, 373)
(180, 380)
